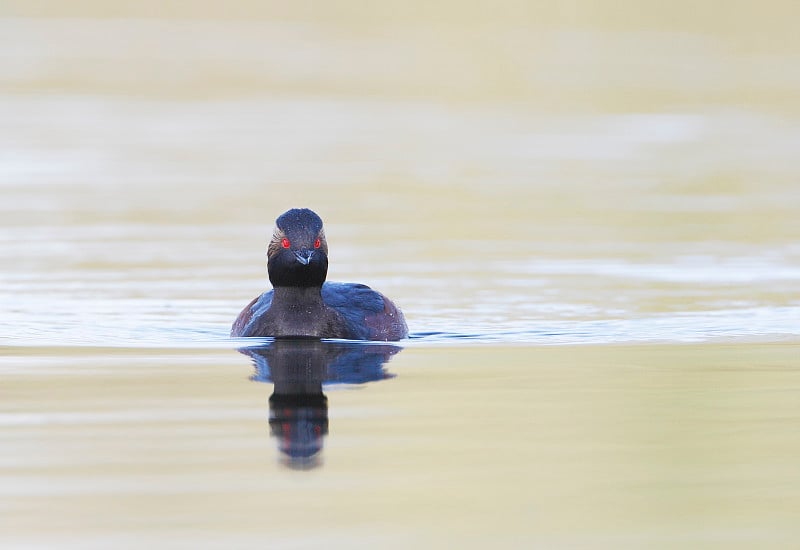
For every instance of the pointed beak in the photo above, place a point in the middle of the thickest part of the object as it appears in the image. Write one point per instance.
(303, 256)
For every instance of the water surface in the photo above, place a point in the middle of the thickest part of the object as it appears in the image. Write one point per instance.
(592, 226)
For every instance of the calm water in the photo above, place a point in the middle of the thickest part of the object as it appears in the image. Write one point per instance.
(593, 227)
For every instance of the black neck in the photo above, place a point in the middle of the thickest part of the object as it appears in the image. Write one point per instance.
(298, 294)
(285, 271)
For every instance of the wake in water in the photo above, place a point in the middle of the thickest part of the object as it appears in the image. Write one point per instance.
(748, 324)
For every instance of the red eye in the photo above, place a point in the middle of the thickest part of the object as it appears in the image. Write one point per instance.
(317, 243)
(285, 243)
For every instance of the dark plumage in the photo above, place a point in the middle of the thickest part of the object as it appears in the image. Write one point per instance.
(302, 303)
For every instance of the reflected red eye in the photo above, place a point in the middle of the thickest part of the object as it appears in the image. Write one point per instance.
(317, 243)
(285, 243)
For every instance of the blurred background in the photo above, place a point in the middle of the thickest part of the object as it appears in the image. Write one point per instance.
(449, 147)
(512, 174)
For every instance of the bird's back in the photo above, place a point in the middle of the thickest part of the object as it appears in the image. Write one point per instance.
(369, 314)
(366, 314)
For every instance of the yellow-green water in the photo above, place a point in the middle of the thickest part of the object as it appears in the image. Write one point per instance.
(661, 446)
(591, 218)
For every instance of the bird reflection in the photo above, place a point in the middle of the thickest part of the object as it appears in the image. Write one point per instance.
(298, 368)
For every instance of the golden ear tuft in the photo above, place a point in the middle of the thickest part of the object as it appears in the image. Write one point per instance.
(275, 244)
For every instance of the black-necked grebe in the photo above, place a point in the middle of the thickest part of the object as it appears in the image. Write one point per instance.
(302, 303)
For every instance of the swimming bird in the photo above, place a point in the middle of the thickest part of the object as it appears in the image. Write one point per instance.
(302, 303)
